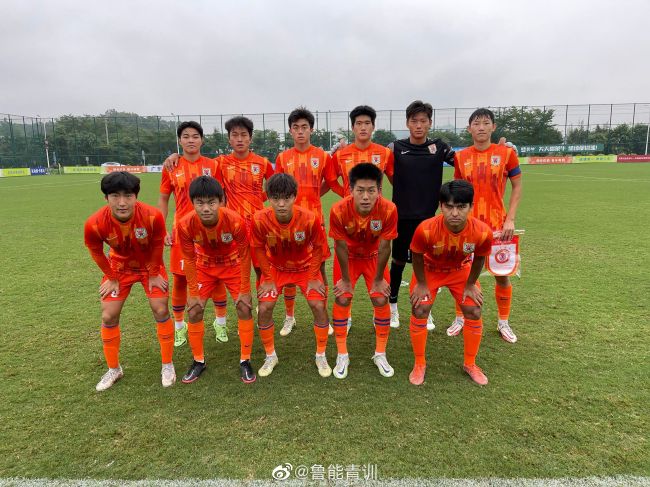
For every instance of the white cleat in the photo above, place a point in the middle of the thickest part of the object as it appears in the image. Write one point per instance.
(430, 324)
(456, 326)
(349, 323)
(289, 323)
(341, 367)
(168, 375)
(330, 331)
(382, 364)
(109, 378)
(323, 367)
(269, 364)
(394, 319)
(506, 332)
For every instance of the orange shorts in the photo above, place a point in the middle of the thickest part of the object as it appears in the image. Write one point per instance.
(128, 280)
(209, 279)
(300, 279)
(357, 268)
(454, 281)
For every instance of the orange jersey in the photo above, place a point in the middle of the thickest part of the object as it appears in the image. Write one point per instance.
(345, 159)
(178, 181)
(292, 246)
(243, 180)
(362, 233)
(136, 247)
(308, 169)
(445, 251)
(488, 171)
(225, 244)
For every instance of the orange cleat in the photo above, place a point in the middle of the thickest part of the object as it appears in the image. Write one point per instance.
(416, 377)
(476, 374)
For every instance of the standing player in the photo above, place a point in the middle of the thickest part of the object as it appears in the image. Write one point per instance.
(288, 242)
(416, 186)
(363, 149)
(307, 165)
(176, 180)
(362, 225)
(487, 166)
(442, 249)
(134, 232)
(214, 241)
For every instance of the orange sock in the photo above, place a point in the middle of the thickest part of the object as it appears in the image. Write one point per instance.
(290, 299)
(165, 330)
(179, 297)
(472, 332)
(418, 331)
(503, 296)
(340, 321)
(219, 298)
(268, 340)
(246, 333)
(195, 332)
(321, 332)
(111, 341)
(382, 327)
(459, 312)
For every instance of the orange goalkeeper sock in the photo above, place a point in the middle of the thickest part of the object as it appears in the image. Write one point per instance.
(165, 331)
(267, 336)
(195, 332)
(418, 331)
(246, 333)
(290, 300)
(111, 343)
(382, 327)
(472, 332)
(340, 321)
(503, 296)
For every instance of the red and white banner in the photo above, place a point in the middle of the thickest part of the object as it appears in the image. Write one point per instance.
(504, 259)
(550, 160)
(134, 169)
(632, 158)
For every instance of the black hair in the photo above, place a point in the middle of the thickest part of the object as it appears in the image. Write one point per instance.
(458, 191)
(363, 110)
(120, 181)
(206, 187)
(281, 185)
(191, 124)
(298, 113)
(365, 170)
(418, 106)
(242, 122)
(481, 112)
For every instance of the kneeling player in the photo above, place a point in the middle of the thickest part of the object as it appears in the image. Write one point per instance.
(442, 249)
(134, 232)
(362, 225)
(288, 242)
(214, 242)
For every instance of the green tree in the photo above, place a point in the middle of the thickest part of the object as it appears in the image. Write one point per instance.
(383, 137)
(527, 126)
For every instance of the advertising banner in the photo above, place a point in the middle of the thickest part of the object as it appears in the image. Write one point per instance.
(547, 149)
(11, 172)
(632, 158)
(598, 158)
(81, 170)
(38, 171)
(132, 169)
(154, 168)
(550, 160)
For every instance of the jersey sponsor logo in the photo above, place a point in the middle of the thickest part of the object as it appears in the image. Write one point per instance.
(299, 236)
(255, 169)
(433, 148)
(207, 171)
(376, 159)
(405, 152)
(179, 174)
(226, 237)
(315, 162)
(468, 247)
(140, 233)
(375, 225)
(495, 160)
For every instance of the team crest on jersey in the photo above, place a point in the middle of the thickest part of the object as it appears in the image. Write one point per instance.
(375, 225)
(468, 247)
(140, 233)
(255, 169)
(315, 162)
(495, 160)
(207, 171)
(226, 237)
(433, 149)
(376, 159)
(299, 236)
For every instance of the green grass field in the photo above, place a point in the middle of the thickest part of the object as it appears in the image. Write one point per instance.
(570, 399)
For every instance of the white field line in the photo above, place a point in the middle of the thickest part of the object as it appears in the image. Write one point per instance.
(591, 178)
(50, 185)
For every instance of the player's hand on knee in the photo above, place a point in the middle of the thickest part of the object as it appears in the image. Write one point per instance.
(158, 281)
(246, 299)
(380, 287)
(267, 289)
(343, 286)
(316, 285)
(193, 302)
(420, 295)
(171, 162)
(109, 287)
(474, 292)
